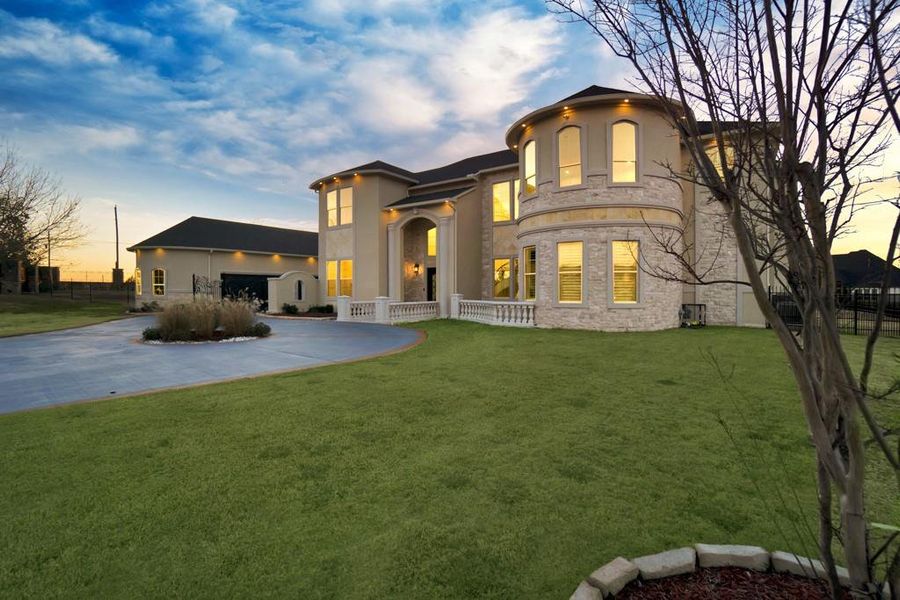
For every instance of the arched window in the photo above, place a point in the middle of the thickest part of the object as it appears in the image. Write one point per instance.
(299, 290)
(158, 280)
(569, 142)
(530, 168)
(624, 152)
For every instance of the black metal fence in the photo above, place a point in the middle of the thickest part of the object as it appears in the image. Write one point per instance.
(90, 291)
(856, 310)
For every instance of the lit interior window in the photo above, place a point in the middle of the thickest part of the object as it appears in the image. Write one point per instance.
(332, 207)
(331, 276)
(432, 241)
(530, 168)
(625, 272)
(529, 263)
(624, 152)
(569, 156)
(138, 284)
(346, 205)
(713, 153)
(569, 256)
(501, 201)
(501, 278)
(158, 279)
(517, 190)
(346, 277)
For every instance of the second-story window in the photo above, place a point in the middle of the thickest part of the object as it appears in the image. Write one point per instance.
(500, 194)
(339, 204)
(624, 152)
(569, 142)
(530, 173)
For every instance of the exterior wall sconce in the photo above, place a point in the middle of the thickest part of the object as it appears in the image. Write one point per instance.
(416, 269)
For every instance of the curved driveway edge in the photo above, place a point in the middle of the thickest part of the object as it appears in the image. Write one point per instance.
(106, 360)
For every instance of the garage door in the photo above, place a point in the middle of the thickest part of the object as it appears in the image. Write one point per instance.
(255, 286)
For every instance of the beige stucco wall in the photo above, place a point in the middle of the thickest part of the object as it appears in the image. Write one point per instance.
(285, 290)
(181, 265)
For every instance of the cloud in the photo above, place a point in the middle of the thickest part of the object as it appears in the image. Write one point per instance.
(95, 138)
(42, 40)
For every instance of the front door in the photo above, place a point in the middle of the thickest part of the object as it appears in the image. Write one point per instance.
(431, 283)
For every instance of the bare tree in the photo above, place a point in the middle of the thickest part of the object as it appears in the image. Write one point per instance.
(36, 215)
(797, 101)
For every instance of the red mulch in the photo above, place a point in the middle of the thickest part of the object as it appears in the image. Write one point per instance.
(728, 583)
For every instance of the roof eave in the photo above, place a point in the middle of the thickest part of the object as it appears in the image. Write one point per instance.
(336, 177)
(143, 246)
(515, 130)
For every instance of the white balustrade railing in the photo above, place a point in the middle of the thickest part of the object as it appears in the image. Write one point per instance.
(362, 311)
(498, 312)
(404, 312)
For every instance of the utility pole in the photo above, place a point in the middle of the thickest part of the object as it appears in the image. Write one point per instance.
(118, 277)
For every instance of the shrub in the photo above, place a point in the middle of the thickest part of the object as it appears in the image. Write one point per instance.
(328, 308)
(260, 329)
(236, 317)
(150, 306)
(174, 323)
(290, 309)
(151, 334)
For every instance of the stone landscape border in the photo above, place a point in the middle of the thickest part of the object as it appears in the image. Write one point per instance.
(611, 578)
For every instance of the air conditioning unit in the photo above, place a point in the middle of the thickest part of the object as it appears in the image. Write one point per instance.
(693, 315)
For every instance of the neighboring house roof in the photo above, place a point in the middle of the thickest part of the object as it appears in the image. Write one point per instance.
(430, 198)
(863, 269)
(468, 166)
(203, 233)
(595, 90)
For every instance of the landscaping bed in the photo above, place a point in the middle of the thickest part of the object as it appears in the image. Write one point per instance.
(729, 583)
(206, 320)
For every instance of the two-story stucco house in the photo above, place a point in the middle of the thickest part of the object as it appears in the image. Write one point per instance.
(562, 218)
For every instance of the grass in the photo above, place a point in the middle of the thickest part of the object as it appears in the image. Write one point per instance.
(24, 313)
(485, 463)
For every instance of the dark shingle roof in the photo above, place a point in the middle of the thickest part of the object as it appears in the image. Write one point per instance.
(199, 232)
(595, 90)
(467, 166)
(861, 268)
(380, 165)
(430, 197)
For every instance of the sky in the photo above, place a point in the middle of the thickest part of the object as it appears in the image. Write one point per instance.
(229, 109)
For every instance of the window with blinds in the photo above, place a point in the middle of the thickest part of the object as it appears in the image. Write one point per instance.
(569, 142)
(346, 272)
(346, 205)
(713, 153)
(517, 190)
(624, 152)
(332, 207)
(569, 263)
(625, 271)
(529, 267)
(530, 168)
(502, 271)
(331, 277)
(138, 284)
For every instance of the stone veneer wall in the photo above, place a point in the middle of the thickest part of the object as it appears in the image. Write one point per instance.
(660, 300)
(496, 240)
(716, 251)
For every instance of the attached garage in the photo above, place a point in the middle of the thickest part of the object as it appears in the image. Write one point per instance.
(201, 256)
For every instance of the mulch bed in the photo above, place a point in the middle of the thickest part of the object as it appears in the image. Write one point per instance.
(317, 315)
(729, 583)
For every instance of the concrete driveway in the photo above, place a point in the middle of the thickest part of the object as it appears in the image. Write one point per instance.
(106, 360)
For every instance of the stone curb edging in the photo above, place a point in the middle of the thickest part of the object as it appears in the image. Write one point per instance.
(611, 578)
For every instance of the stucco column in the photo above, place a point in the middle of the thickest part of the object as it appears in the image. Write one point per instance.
(455, 299)
(446, 261)
(343, 308)
(382, 309)
(395, 263)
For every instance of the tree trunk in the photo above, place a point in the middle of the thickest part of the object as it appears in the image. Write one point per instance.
(856, 548)
(825, 527)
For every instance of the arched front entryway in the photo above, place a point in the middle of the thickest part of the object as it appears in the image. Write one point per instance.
(420, 264)
(420, 258)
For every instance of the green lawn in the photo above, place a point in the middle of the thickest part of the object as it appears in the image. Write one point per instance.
(484, 463)
(26, 314)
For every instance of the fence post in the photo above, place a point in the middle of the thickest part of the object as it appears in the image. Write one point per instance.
(343, 308)
(855, 312)
(71, 291)
(90, 293)
(383, 310)
(455, 299)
